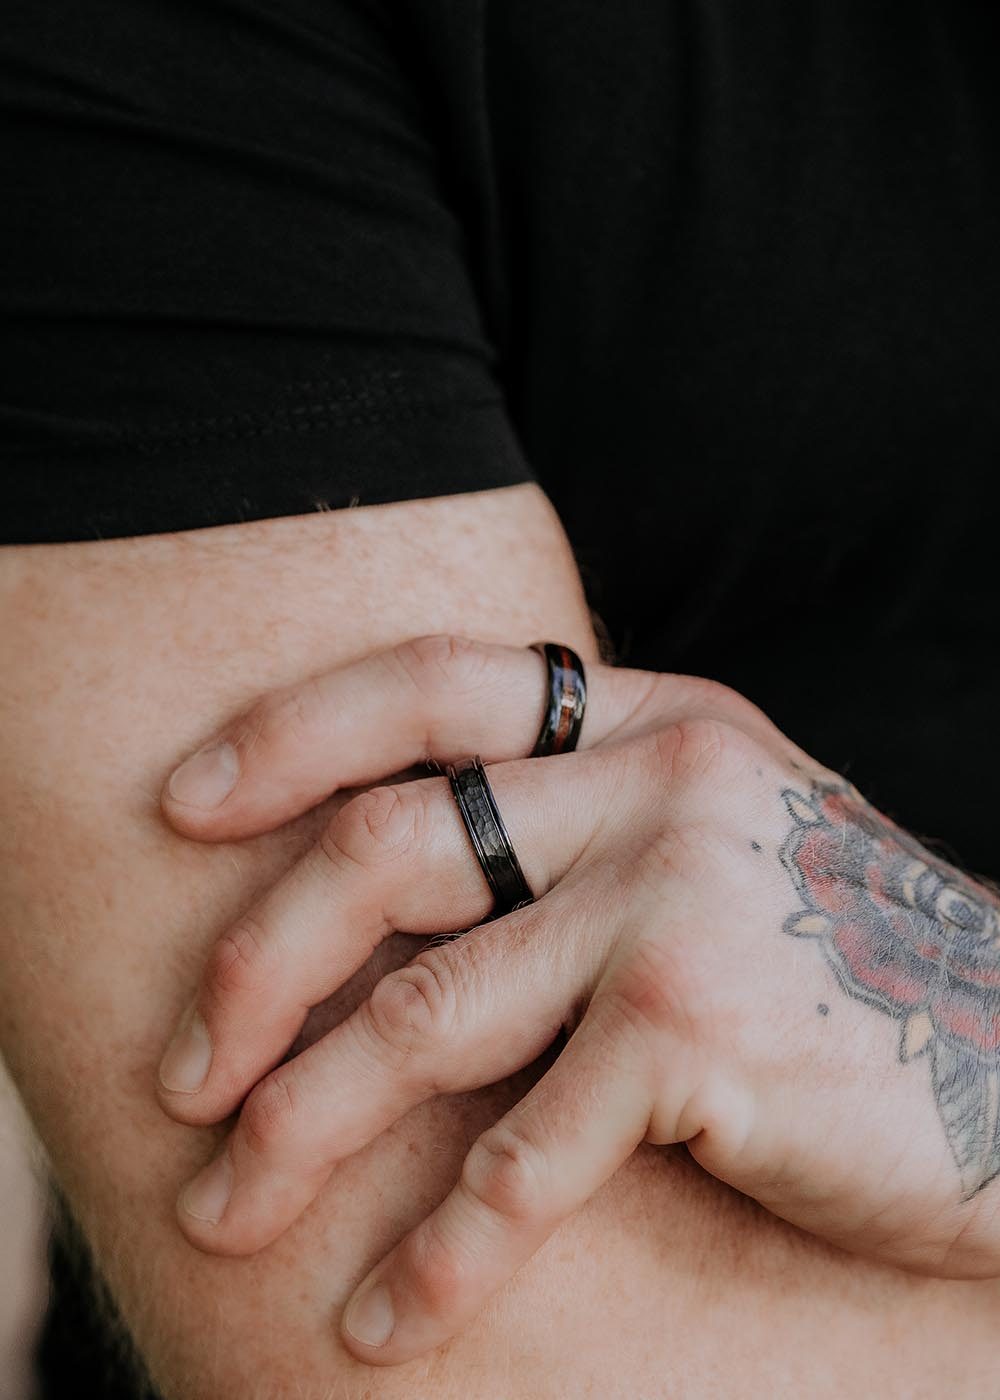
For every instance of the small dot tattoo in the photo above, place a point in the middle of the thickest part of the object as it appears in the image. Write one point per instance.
(755, 846)
(823, 1009)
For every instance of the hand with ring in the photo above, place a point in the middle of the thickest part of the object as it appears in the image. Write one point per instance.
(746, 957)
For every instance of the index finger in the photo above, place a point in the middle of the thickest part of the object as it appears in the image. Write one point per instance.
(435, 697)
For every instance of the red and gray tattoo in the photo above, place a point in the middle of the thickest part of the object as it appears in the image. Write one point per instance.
(917, 940)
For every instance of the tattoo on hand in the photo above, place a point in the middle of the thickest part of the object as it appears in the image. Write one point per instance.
(914, 938)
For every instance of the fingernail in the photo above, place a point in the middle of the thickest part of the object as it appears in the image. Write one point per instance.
(185, 1064)
(207, 778)
(207, 1195)
(369, 1317)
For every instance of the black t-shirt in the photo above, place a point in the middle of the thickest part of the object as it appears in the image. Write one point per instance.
(722, 277)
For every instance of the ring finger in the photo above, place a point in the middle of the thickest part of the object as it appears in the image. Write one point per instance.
(394, 858)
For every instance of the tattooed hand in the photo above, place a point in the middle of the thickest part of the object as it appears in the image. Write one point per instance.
(917, 940)
(745, 956)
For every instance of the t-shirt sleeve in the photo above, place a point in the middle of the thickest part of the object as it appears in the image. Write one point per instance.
(234, 277)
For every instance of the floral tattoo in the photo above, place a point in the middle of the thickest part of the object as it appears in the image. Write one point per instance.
(917, 940)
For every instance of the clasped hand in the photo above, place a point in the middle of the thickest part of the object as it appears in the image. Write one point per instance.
(746, 957)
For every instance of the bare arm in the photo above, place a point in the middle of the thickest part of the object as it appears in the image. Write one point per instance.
(117, 659)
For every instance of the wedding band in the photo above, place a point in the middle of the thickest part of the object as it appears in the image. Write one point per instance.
(489, 836)
(567, 700)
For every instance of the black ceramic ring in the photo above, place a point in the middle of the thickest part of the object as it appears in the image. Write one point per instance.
(567, 700)
(490, 839)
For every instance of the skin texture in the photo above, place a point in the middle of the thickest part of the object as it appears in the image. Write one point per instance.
(118, 659)
(658, 940)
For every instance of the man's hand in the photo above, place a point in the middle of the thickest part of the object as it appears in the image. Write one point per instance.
(748, 958)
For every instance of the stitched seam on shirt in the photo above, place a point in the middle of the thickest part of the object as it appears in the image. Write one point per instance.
(277, 423)
(380, 386)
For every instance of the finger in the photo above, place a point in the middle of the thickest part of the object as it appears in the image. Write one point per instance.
(524, 1177)
(436, 697)
(457, 1017)
(395, 858)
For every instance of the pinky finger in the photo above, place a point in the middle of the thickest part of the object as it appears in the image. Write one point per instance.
(521, 1179)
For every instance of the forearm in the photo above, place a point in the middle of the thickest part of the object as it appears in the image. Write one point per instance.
(118, 659)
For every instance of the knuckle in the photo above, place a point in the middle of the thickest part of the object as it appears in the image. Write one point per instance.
(733, 707)
(658, 992)
(414, 1007)
(704, 697)
(505, 1172)
(714, 698)
(382, 825)
(696, 750)
(243, 960)
(444, 662)
(439, 1273)
(268, 1115)
(287, 716)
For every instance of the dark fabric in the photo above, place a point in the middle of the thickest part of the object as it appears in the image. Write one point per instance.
(84, 1348)
(234, 283)
(723, 277)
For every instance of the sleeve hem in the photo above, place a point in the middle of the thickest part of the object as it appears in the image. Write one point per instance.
(281, 468)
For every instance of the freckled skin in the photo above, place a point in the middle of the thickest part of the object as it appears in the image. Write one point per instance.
(117, 658)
